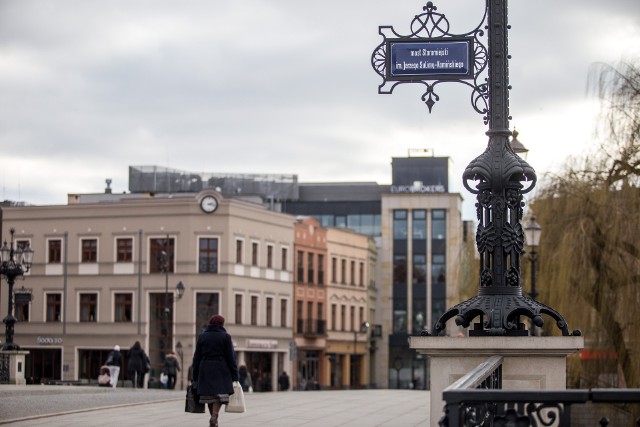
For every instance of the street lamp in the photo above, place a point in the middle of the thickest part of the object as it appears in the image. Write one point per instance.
(364, 328)
(14, 262)
(163, 260)
(517, 146)
(532, 233)
(181, 355)
(180, 289)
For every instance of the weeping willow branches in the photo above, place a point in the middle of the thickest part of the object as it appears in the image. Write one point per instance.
(590, 214)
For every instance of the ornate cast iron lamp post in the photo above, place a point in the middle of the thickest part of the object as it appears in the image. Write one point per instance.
(14, 262)
(501, 176)
(532, 233)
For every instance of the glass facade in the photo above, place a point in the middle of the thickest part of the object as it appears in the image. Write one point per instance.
(400, 224)
(438, 264)
(367, 224)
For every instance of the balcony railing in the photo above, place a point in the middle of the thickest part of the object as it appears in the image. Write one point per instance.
(311, 327)
(477, 399)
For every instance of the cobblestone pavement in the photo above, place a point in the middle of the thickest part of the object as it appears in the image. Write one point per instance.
(94, 406)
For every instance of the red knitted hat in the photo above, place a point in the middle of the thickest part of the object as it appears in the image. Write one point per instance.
(216, 319)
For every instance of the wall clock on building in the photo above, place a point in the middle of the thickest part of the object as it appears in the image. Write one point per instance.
(209, 204)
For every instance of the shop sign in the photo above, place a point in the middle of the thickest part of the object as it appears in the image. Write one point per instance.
(262, 344)
(48, 340)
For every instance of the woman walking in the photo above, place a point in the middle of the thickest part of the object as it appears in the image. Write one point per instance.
(214, 367)
(137, 364)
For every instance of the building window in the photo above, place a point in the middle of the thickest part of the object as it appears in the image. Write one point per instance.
(343, 318)
(361, 313)
(207, 304)
(320, 269)
(239, 251)
(123, 307)
(352, 273)
(299, 317)
(283, 313)
(54, 307)
(361, 275)
(352, 318)
(300, 266)
(334, 270)
(419, 225)
(438, 263)
(284, 259)
(270, 256)
(54, 251)
(208, 255)
(269, 312)
(22, 310)
(310, 271)
(343, 271)
(334, 314)
(238, 309)
(400, 225)
(88, 307)
(254, 310)
(399, 293)
(254, 253)
(89, 250)
(157, 250)
(124, 250)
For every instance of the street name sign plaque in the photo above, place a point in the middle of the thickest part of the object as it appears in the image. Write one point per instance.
(429, 59)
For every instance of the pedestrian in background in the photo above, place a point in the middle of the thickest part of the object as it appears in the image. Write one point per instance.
(171, 368)
(137, 364)
(113, 363)
(214, 367)
(245, 379)
(283, 381)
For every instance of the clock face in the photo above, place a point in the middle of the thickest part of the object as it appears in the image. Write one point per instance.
(209, 204)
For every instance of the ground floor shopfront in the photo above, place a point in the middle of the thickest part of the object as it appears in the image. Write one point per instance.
(74, 359)
(346, 367)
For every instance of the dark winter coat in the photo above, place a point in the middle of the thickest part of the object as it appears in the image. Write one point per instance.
(137, 359)
(214, 362)
(116, 358)
(171, 365)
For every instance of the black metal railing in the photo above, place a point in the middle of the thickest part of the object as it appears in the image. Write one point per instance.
(477, 399)
(311, 327)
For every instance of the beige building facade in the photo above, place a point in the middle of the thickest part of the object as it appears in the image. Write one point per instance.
(348, 299)
(106, 272)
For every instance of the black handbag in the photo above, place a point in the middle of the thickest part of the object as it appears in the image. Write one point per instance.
(192, 403)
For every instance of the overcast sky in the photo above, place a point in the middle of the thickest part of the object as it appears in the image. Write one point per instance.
(90, 87)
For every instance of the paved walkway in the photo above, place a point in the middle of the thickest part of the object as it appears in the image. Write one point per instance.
(94, 406)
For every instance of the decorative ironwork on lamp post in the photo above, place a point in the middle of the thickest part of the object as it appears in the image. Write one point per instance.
(14, 262)
(501, 176)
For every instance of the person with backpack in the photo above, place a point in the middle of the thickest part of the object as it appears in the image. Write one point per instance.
(113, 363)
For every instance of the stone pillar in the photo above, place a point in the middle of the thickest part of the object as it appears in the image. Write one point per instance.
(16, 366)
(530, 363)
